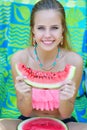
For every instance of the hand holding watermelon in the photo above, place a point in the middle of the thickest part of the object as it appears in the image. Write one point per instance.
(24, 95)
(67, 91)
(21, 86)
(42, 79)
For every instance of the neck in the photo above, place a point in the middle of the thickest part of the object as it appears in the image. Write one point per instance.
(46, 56)
(46, 59)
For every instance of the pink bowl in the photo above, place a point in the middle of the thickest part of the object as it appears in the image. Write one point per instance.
(42, 123)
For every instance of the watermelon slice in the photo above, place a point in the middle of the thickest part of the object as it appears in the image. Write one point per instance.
(42, 123)
(42, 79)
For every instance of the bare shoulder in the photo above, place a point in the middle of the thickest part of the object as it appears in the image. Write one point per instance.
(21, 55)
(74, 58)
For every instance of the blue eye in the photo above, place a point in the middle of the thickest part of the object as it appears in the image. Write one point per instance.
(55, 28)
(40, 28)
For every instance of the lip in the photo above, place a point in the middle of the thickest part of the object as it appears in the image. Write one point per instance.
(47, 42)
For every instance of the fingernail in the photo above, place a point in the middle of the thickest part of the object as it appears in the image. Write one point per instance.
(25, 77)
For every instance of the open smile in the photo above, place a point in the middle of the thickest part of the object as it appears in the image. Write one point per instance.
(47, 42)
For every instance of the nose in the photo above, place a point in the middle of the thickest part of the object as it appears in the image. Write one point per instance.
(47, 33)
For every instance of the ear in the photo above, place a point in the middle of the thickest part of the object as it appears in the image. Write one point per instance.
(32, 31)
(62, 30)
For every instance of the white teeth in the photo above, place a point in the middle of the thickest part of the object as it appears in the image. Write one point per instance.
(47, 42)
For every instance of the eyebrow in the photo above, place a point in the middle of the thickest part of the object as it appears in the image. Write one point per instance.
(51, 25)
(54, 25)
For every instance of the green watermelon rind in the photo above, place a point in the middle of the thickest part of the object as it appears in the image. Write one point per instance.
(35, 118)
(49, 85)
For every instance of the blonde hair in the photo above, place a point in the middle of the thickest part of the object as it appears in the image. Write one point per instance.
(55, 5)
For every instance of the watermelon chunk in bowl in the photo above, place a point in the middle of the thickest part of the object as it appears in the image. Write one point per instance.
(42, 123)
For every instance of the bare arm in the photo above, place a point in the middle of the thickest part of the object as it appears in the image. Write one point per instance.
(23, 91)
(71, 89)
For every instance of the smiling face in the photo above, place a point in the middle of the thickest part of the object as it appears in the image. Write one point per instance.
(47, 29)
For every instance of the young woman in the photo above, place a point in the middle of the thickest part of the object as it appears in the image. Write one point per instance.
(50, 51)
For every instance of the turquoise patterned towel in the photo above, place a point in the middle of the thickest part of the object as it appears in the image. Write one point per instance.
(14, 36)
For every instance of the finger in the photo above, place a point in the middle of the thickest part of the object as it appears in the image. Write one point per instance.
(22, 84)
(19, 78)
(66, 95)
(22, 87)
(27, 90)
(70, 82)
(68, 89)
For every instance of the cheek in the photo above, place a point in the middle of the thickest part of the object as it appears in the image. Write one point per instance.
(58, 36)
(57, 33)
(38, 35)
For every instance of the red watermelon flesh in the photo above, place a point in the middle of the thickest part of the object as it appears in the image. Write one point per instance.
(42, 79)
(44, 124)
